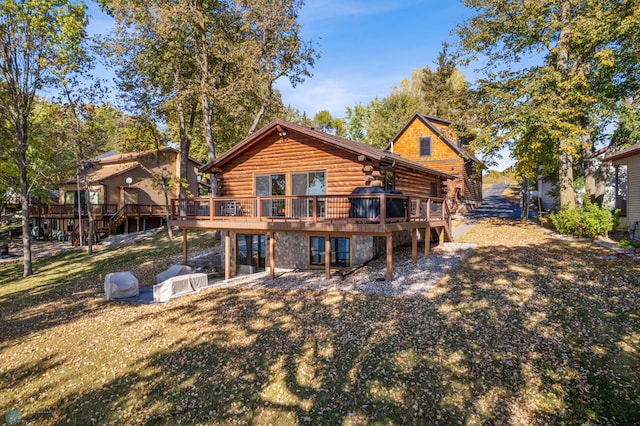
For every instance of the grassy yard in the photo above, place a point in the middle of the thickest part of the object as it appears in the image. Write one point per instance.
(528, 329)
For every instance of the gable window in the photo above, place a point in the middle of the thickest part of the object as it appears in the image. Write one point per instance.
(425, 146)
(340, 252)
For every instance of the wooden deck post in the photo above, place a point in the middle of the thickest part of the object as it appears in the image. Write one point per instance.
(327, 256)
(389, 276)
(227, 255)
(272, 255)
(441, 236)
(427, 240)
(414, 246)
(184, 246)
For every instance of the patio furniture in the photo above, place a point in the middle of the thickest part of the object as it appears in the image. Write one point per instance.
(173, 271)
(119, 285)
(178, 285)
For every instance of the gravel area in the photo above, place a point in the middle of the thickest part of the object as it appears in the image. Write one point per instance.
(408, 279)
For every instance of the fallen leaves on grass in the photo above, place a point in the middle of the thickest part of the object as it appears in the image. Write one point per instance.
(525, 330)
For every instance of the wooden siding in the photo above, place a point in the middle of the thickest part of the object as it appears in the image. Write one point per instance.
(296, 153)
(407, 146)
(472, 183)
(415, 184)
(633, 189)
(443, 158)
(110, 188)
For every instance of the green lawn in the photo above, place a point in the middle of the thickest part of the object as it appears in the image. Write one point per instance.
(526, 330)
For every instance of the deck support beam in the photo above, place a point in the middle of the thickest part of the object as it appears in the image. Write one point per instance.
(414, 246)
(441, 236)
(327, 256)
(185, 243)
(272, 254)
(427, 240)
(389, 276)
(227, 255)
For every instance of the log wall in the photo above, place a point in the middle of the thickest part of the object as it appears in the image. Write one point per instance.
(295, 153)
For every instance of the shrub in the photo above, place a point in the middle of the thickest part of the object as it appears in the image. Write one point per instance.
(628, 244)
(586, 221)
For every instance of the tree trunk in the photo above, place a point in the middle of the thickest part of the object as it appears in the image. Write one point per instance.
(565, 177)
(263, 108)
(21, 135)
(565, 168)
(89, 214)
(207, 111)
(602, 175)
(185, 136)
(163, 179)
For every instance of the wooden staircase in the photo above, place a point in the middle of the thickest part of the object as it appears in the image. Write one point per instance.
(117, 219)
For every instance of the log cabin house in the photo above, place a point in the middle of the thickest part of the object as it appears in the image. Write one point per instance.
(124, 193)
(430, 141)
(294, 197)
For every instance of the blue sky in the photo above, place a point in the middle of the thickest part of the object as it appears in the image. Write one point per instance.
(368, 47)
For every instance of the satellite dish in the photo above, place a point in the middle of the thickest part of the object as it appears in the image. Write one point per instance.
(128, 180)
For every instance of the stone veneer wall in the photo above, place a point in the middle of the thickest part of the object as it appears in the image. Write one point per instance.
(292, 249)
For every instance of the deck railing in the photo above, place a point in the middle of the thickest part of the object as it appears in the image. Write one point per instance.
(100, 210)
(62, 210)
(365, 208)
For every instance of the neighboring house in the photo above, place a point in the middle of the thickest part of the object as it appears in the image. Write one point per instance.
(547, 191)
(293, 197)
(124, 193)
(630, 157)
(430, 141)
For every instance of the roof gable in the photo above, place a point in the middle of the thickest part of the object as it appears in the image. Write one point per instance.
(429, 121)
(125, 157)
(283, 128)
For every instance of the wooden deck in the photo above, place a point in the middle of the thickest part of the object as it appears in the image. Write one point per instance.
(372, 214)
(293, 212)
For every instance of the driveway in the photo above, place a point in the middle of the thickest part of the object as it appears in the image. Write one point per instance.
(493, 205)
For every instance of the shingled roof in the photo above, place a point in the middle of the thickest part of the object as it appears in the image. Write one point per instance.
(358, 148)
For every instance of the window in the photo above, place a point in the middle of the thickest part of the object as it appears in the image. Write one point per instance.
(311, 183)
(250, 253)
(267, 185)
(340, 252)
(71, 197)
(425, 146)
(389, 181)
(271, 185)
(434, 189)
